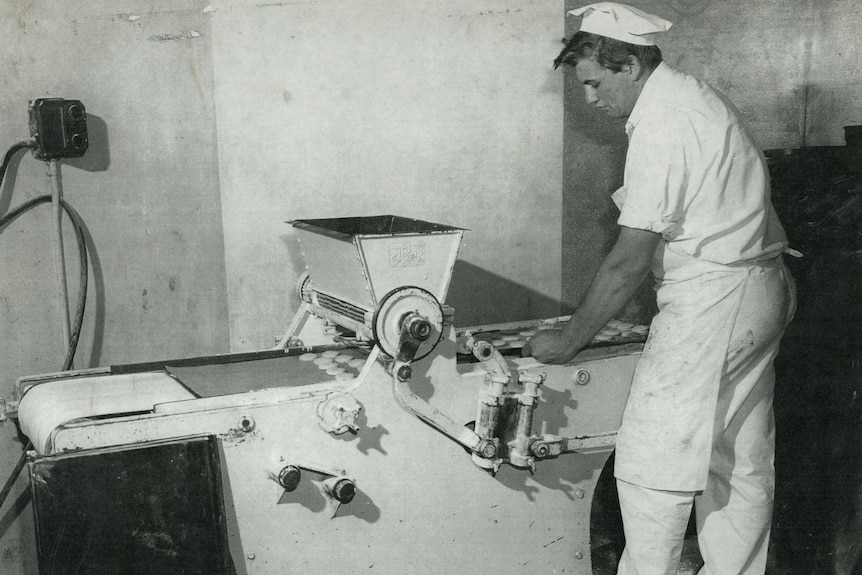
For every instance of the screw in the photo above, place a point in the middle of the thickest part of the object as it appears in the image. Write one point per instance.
(246, 423)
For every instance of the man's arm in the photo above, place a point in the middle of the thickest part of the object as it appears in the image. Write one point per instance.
(620, 274)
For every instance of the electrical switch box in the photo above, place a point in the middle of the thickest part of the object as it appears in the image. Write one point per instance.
(58, 128)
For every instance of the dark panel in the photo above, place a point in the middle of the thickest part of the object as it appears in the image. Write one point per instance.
(817, 526)
(150, 510)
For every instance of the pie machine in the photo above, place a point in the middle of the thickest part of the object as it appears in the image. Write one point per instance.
(376, 437)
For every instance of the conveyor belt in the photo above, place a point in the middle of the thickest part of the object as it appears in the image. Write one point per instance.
(214, 379)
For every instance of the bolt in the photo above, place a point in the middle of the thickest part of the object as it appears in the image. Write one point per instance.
(487, 449)
(420, 328)
(404, 373)
(582, 377)
(251, 556)
(579, 555)
(579, 493)
(540, 449)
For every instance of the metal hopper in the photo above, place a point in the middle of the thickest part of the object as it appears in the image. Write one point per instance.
(354, 264)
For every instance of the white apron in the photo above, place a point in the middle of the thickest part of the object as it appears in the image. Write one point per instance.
(701, 348)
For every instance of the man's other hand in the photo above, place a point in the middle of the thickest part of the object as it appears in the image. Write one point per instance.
(548, 346)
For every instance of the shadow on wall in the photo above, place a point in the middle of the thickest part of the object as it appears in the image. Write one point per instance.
(481, 297)
(594, 149)
(97, 158)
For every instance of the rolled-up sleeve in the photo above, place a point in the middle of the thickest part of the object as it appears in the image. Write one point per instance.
(656, 174)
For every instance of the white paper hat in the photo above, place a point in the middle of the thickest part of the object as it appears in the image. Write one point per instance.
(621, 22)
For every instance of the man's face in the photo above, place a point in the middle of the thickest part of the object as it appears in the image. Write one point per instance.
(613, 92)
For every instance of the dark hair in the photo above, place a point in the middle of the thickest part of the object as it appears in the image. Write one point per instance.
(607, 52)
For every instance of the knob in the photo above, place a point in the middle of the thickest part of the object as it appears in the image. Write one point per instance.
(341, 489)
(75, 112)
(344, 490)
(289, 477)
(338, 413)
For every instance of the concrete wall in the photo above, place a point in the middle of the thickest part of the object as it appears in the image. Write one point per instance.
(832, 76)
(147, 190)
(444, 111)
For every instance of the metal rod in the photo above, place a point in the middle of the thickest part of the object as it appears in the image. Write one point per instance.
(59, 256)
(10, 482)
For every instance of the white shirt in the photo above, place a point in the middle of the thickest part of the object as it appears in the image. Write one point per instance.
(695, 175)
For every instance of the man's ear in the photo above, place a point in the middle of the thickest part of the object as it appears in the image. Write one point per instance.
(634, 67)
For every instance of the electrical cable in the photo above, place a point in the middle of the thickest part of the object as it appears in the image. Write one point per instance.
(15, 472)
(78, 225)
(8, 157)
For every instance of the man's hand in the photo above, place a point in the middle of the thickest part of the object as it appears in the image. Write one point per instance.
(549, 346)
(621, 272)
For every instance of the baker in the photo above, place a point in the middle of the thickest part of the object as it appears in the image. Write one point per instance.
(698, 428)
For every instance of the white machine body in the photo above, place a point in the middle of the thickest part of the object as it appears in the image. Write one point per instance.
(382, 442)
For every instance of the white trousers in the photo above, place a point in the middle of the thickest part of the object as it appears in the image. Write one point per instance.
(655, 524)
(734, 510)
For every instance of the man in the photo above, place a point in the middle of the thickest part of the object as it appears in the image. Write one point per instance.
(695, 207)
